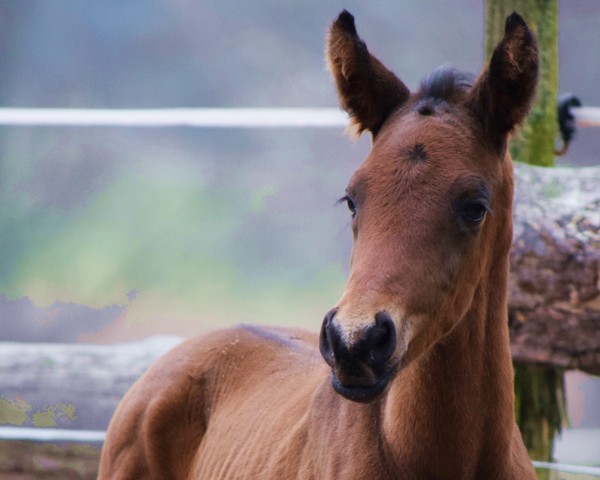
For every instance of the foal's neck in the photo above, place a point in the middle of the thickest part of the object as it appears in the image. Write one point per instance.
(452, 410)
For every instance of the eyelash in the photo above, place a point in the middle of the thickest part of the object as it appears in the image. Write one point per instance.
(350, 204)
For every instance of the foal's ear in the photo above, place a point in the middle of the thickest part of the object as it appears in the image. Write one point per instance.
(504, 92)
(367, 90)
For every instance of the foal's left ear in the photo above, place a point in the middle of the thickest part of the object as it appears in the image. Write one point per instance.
(367, 90)
(504, 92)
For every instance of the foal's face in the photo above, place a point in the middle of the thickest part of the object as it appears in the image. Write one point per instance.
(430, 206)
(422, 205)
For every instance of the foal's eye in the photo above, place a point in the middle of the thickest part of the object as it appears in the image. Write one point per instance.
(474, 213)
(351, 205)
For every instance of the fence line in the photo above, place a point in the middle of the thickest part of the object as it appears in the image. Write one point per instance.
(51, 435)
(562, 467)
(176, 117)
(208, 117)
(586, 116)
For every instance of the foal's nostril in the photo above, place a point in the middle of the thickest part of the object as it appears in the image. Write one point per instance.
(382, 339)
(329, 339)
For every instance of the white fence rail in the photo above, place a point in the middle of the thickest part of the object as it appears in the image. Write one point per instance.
(586, 116)
(51, 435)
(208, 117)
(177, 117)
(564, 468)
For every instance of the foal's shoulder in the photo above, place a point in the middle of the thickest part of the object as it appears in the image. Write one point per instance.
(224, 346)
(227, 357)
(164, 415)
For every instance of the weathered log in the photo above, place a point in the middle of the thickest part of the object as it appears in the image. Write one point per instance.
(72, 386)
(554, 291)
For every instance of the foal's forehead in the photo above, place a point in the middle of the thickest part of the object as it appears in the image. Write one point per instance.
(434, 150)
(443, 138)
(433, 135)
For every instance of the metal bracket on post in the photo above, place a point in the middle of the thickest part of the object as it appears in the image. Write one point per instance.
(566, 120)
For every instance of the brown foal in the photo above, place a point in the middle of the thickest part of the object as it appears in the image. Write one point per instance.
(417, 381)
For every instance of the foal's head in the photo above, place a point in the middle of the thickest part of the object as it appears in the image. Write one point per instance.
(431, 204)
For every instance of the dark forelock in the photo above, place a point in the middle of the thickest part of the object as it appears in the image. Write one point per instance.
(445, 83)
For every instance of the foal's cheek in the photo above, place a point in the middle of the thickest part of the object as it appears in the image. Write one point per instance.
(443, 287)
(466, 278)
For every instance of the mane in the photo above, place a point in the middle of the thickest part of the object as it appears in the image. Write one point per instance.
(445, 84)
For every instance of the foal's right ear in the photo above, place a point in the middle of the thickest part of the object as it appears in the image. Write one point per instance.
(504, 92)
(367, 90)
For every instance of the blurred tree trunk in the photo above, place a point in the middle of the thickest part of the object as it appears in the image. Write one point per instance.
(535, 142)
(539, 390)
(540, 409)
